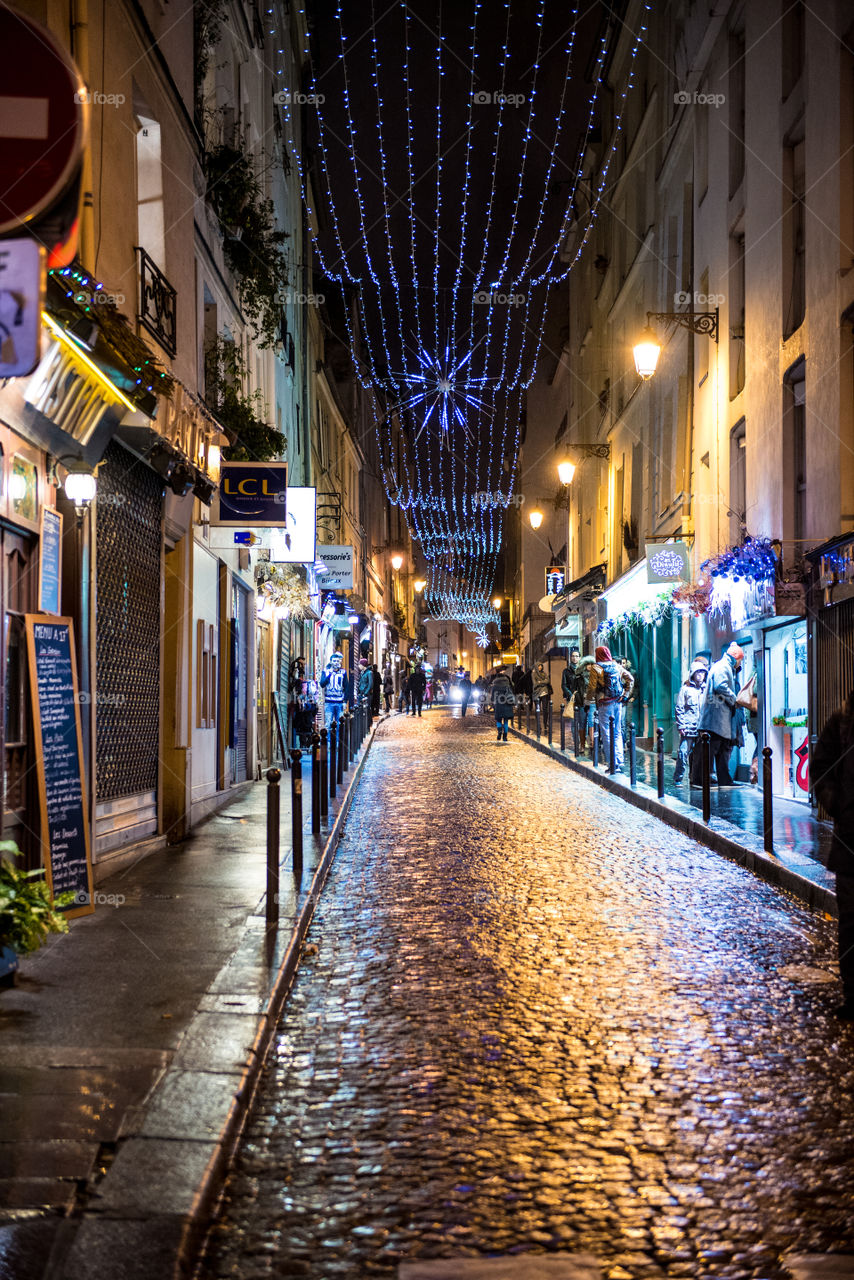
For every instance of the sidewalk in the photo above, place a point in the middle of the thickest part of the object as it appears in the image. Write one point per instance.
(130, 1047)
(801, 842)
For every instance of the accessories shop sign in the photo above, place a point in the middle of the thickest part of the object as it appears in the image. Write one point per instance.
(667, 562)
(252, 493)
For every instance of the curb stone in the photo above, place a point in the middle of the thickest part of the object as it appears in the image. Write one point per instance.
(721, 836)
(150, 1213)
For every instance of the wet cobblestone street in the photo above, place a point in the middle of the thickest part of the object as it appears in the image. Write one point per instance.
(531, 1018)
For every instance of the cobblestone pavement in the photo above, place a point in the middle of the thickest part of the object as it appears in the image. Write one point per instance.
(531, 1018)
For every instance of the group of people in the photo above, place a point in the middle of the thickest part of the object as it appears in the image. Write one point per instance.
(599, 690)
(371, 688)
(710, 701)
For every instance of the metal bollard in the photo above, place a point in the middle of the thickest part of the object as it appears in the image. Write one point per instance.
(527, 717)
(315, 783)
(575, 735)
(767, 800)
(612, 745)
(706, 774)
(333, 760)
(551, 718)
(596, 743)
(273, 810)
(562, 730)
(343, 750)
(296, 810)
(659, 764)
(633, 760)
(324, 773)
(537, 718)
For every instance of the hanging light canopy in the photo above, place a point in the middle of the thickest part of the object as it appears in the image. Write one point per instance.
(646, 352)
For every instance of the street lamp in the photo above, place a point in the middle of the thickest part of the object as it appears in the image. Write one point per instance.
(396, 561)
(647, 349)
(565, 471)
(497, 602)
(536, 518)
(419, 584)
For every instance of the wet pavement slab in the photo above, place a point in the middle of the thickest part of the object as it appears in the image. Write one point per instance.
(128, 1048)
(532, 1022)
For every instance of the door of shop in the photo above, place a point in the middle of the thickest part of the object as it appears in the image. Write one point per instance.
(240, 682)
(17, 582)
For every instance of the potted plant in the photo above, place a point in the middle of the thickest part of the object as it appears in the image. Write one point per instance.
(27, 914)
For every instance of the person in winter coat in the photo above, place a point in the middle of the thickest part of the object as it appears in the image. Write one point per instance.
(518, 681)
(689, 703)
(503, 700)
(832, 780)
(585, 703)
(388, 688)
(417, 685)
(610, 683)
(366, 682)
(336, 684)
(465, 692)
(717, 715)
(568, 677)
(541, 690)
(376, 691)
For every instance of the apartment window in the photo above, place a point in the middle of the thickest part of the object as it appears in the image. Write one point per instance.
(701, 125)
(794, 235)
(736, 110)
(795, 455)
(735, 302)
(561, 431)
(149, 190)
(792, 32)
(737, 484)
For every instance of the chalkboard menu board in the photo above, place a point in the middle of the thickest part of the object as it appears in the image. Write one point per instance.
(56, 718)
(50, 550)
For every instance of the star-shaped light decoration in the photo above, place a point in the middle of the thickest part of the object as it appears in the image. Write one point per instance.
(442, 383)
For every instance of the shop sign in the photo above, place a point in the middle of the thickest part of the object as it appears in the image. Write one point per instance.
(338, 575)
(21, 290)
(295, 543)
(555, 579)
(252, 493)
(50, 552)
(568, 632)
(667, 562)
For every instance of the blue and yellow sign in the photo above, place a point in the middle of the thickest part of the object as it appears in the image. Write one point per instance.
(252, 493)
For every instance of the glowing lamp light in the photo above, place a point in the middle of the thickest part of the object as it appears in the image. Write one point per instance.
(214, 461)
(646, 353)
(17, 486)
(396, 561)
(80, 485)
(536, 518)
(419, 584)
(565, 471)
(497, 602)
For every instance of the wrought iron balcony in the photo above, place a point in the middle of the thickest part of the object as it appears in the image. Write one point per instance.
(157, 303)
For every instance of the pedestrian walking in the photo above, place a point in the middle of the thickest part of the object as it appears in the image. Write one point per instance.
(503, 700)
(336, 686)
(417, 685)
(518, 681)
(465, 693)
(388, 689)
(610, 683)
(832, 779)
(376, 691)
(689, 703)
(717, 715)
(541, 690)
(403, 700)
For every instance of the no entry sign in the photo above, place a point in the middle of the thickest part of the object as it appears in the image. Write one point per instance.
(43, 119)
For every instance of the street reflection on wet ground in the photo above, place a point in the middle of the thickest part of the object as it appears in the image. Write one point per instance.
(529, 1017)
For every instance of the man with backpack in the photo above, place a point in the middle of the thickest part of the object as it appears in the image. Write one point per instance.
(610, 683)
